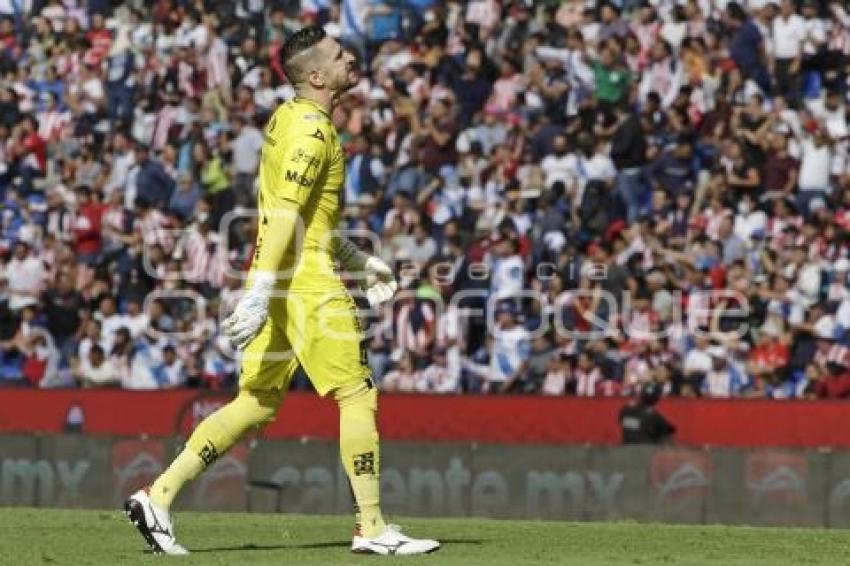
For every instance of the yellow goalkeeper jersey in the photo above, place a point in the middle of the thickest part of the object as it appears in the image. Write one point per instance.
(302, 162)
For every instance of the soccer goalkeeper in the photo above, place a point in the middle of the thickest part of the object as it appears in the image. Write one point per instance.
(295, 301)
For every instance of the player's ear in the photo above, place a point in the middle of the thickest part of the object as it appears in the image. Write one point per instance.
(316, 78)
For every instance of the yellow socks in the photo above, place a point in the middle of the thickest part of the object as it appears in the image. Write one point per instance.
(358, 446)
(212, 438)
(184, 468)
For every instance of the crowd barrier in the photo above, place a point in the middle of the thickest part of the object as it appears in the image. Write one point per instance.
(495, 419)
(669, 484)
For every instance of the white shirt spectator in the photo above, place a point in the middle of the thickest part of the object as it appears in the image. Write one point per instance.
(136, 324)
(55, 13)
(558, 168)
(598, 168)
(171, 375)
(399, 380)
(511, 347)
(724, 383)
(835, 122)
(108, 328)
(814, 166)
(842, 315)
(507, 276)
(246, 150)
(93, 94)
(26, 277)
(121, 166)
(216, 60)
(555, 382)
(674, 33)
(149, 370)
(483, 12)
(52, 377)
(815, 36)
(8, 7)
(749, 223)
(99, 376)
(788, 36)
(663, 77)
(718, 384)
(697, 361)
(436, 379)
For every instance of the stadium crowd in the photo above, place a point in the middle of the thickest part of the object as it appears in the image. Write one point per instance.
(579, 197)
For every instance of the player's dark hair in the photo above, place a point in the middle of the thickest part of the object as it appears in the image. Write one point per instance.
(299, 42)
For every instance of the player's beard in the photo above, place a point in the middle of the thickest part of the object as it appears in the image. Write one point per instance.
(352, 78)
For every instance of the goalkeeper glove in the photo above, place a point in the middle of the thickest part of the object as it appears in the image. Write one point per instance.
(251, 311)
(379, 283)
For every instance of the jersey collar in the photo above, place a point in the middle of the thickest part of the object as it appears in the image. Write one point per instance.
(313, 103)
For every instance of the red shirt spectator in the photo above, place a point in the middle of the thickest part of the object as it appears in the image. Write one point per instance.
(87, 224)
(35, 147)
(833, 386)
(99, 38)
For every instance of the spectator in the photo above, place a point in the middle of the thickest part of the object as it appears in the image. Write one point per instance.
(628, 152)
(747, 46)
(96, 370)
(788, 33)
(558, 376)
(724, 379)
(88, 226)
(437, 378)
(673, 169)
(612, 80)
(152, 183)
(26, 275)
(185, 199)
(510, 352)
(246, 159)
(401, 379)
(641, 423)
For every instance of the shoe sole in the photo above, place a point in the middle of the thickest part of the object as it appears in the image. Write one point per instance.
(136, 515)
(367, 551)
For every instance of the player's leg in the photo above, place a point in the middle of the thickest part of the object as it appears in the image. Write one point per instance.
(331, 325)
(251, 409)
(267, 367)
(359, 449)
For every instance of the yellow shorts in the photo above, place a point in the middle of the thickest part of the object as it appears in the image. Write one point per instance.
(319, 331)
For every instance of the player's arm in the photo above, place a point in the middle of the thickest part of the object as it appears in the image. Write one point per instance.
(288, 178)
(287, 185)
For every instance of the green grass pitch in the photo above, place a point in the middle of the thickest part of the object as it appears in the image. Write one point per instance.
(46, 536)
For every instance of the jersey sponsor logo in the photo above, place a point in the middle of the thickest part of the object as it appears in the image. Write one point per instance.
(296, 177)
(301, 155)
(312, 117)
(318, 135)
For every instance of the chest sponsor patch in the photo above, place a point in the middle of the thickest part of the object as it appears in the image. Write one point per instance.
(296, 177)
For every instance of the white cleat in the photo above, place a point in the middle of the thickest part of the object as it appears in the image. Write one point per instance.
(153, 523)
(392, 541)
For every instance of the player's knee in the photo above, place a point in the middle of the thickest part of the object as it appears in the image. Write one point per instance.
(363, 394)
(261, 405)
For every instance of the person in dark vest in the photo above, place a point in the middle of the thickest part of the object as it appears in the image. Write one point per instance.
(641, 422)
